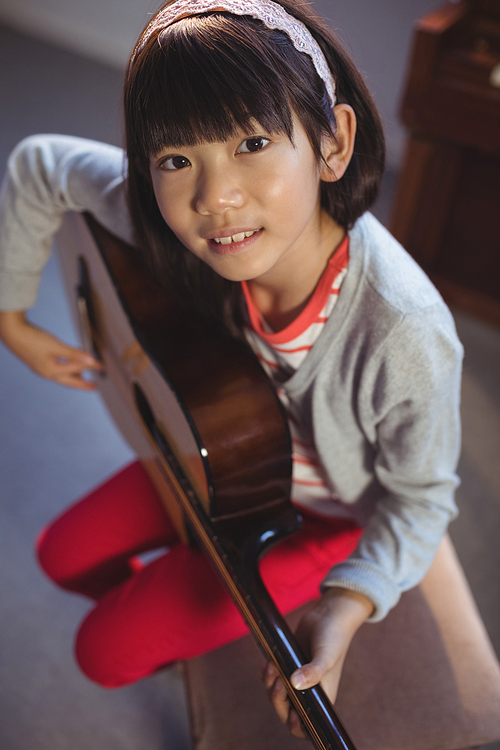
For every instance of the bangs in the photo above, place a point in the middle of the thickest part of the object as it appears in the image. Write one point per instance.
(206, 78)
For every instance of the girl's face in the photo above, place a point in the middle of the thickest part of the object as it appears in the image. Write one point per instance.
(249, 207)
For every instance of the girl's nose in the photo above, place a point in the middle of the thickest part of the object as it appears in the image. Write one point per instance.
(216, 192)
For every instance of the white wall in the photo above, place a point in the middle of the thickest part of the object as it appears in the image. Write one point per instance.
(376, 32)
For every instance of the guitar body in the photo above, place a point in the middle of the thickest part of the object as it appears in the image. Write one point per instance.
(236, 456)
(204, 419)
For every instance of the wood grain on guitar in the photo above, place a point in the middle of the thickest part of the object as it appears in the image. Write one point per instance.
(206, 422)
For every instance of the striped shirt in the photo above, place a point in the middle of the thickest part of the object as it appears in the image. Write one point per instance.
(281, 354)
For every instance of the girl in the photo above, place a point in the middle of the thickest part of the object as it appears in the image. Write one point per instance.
(253, 153)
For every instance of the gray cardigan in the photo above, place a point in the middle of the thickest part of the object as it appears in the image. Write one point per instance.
(378, 393)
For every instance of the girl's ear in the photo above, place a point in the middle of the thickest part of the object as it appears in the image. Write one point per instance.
(337, 151)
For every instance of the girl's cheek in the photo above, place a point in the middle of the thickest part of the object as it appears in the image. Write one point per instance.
(172, 204)
(164, 203)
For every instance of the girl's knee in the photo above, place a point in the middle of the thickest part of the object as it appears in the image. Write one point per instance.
(64, 561)
(97, 659)
(64, 546)
(98, 673)
(51, 554)
(105, 656)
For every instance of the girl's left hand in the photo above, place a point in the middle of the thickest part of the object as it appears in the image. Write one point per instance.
(325, 633)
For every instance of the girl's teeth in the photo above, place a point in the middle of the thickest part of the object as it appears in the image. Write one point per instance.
(235, 238)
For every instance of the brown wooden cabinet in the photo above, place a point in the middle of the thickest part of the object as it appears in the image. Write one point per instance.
(446, 210)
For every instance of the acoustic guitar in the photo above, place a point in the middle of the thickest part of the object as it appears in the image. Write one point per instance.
(203, 417)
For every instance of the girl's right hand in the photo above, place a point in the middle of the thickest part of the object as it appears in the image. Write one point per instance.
(45, 354)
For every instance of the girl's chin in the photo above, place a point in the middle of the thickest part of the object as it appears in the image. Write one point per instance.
(238, 272)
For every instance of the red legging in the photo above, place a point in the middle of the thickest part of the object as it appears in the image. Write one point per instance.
(147, 616)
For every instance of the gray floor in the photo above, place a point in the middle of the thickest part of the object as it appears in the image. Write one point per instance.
(57, 443)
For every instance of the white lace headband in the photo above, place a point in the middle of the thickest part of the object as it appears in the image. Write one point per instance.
(270, 13)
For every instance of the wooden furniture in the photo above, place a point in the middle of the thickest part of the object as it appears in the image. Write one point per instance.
(446, 210)
(425, 678)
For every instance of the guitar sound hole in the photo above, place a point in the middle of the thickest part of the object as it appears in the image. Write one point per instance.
(149, 420)
(159, 438)
(87, 306)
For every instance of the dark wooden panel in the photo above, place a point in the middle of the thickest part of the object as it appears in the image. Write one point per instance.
(470, 248)
(446, 207)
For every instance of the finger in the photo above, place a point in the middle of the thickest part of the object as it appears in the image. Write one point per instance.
(74, 381)
(295, 725)
(309, 675)
(73, 353)
(82, 386)
(57, 369)
(64, 365)
(80, 359)
(263, 670)
(69, 368)
(269, 676)
(280, 701)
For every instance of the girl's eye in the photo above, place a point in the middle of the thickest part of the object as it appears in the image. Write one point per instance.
(252, 145)
(175, 162)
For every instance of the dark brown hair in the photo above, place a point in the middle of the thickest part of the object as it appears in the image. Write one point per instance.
(205, 79)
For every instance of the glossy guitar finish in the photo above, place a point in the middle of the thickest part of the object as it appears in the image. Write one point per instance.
(208, 426)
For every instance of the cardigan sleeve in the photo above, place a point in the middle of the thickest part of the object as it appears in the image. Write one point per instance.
(411, 399)
(46, 176)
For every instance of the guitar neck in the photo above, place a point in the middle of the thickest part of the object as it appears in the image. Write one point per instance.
(280, 646)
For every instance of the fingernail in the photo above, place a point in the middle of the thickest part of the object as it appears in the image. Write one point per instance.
(298, 681)
(88, 360)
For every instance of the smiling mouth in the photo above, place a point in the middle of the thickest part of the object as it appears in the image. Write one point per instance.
(235, 237)
(234, 243)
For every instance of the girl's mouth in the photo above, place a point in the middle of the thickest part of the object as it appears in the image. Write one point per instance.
(235, 242)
